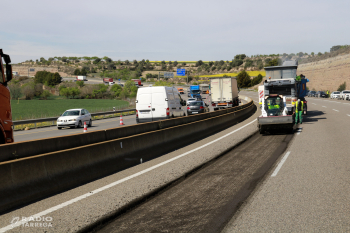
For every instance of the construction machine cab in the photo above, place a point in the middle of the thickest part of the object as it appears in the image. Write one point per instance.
(6, 76)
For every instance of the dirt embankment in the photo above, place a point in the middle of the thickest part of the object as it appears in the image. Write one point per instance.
(327, 74)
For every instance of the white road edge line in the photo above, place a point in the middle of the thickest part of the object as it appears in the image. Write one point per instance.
(280, 164)
(60, 206)
(336, 110)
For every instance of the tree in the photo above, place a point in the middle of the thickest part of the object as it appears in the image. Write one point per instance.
(45, 94)
(127, 62)
(65, 92)
(107, 59)
(15, 91)
(243, 79)
(175, 63)
(64, 59)
(97, 60)
(240, 57)
(256, 80)
(77, 72)
(183, 63)
(199, 63)
(342, 87)
(28, 91)
(75, 91)
(319, 54)
(162, 62)
(273, 62)
(80, 83)
(116, 90)
(312, 54)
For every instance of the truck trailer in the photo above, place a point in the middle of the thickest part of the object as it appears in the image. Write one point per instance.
(81, 78)
(204, 88)
(108, 81)
(223, 92)
(6, 130)
(281, 89)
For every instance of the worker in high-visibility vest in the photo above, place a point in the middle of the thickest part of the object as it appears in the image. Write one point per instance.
(299, 108)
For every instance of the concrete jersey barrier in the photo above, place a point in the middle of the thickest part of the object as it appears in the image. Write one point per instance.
(36, 147)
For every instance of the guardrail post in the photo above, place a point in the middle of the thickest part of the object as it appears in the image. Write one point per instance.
(35, 125)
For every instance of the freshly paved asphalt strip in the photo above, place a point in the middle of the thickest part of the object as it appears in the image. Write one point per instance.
(69, 212)
(310, 193)
(207, 199)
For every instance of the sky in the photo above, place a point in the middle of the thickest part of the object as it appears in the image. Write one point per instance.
(182, 30)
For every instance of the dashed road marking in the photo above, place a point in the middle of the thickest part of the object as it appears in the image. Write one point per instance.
(336, 110)
(324, 106)
(280, 164)
(314, 104)
(348, 114)
(299, 131)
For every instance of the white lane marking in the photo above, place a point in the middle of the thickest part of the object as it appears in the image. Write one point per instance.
(299, 131)
(280, 164)
(336, 110)
(348, 114)
(324, 106)
(314, 104)
(60, 206)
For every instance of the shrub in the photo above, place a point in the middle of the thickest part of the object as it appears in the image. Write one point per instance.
(342, 87)
(15, 91)
(45, 94)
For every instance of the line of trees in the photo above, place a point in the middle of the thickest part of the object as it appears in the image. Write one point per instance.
(244, 80)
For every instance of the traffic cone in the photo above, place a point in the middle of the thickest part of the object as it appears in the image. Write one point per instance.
(121, 120)
(85, 128)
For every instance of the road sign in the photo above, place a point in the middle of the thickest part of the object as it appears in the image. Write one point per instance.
(181, 72)
(168, 75)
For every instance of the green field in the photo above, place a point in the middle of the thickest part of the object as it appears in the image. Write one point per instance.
(31, 109)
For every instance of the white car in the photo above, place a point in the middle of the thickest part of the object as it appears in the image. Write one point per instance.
(344, 95)
(335, 94)
(189, 100)
(74, 118)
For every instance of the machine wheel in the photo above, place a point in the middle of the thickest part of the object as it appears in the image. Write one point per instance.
(261, 129)
(2, 139)
(90, 123)
(59, 127)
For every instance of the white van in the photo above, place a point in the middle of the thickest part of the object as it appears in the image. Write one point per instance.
(158, 103)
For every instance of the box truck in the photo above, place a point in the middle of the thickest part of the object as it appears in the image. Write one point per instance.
(224, 92)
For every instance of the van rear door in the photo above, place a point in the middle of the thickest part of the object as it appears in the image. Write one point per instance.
(144, 104)
(159, 104)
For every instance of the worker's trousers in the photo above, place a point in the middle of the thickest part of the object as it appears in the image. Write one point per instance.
(299, 115)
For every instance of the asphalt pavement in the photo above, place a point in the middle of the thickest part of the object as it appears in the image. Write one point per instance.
(308, 189)
(48, 132)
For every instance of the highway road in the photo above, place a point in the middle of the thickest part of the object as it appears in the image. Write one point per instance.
(48, 132)
(269, 183)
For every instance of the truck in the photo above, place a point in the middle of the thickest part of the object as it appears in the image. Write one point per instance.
(223, 92)
(195, 92)
(81, 78)
(137, 82)
(181, 90)
(204, 88)
(282, 88)
(108, 81)
(6, 130)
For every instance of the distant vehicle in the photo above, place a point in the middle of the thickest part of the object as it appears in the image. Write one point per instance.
(335, 94)
(196, 107)
(224, 92)
(191, 100)
(137, 82)
(158, 103)
(194, 91)
(204, 88)
(109, 81)
(74, 118)
(181, 90)
(344, 94)
(311, 94)
(120, 84)
(15, 73)
(321, 94)
(81, 78)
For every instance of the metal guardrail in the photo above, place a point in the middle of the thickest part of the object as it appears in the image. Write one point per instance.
(54, 119)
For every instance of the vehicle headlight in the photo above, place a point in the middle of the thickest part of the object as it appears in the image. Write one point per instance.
(72, 120)
(58, 120)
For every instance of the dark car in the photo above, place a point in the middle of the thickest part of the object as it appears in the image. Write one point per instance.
(196, 107)
(311, 94)
(321, 94)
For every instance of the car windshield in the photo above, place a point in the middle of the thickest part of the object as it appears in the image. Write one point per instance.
(195, 91)
(191, 99)
(346, 91)
(337, 92)
(71, 113)
(196, 103)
